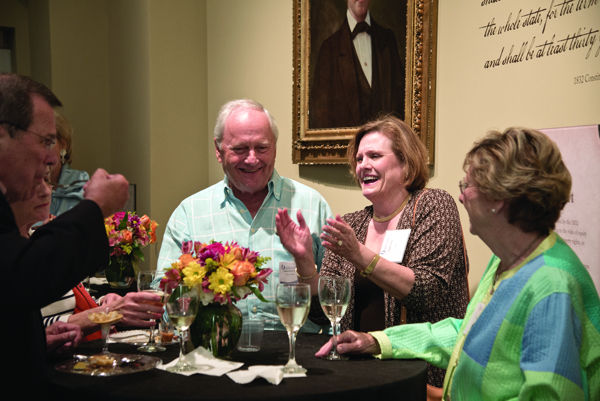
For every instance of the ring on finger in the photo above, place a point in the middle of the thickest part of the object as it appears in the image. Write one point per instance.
(340, 243)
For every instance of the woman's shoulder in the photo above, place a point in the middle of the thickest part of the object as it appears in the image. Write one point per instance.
(433, 197)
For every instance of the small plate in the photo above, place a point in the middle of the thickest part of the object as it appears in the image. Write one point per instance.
(83, 368)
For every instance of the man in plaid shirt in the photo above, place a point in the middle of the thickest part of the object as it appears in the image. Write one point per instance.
(243, 206)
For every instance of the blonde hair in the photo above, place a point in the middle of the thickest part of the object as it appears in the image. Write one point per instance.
(524, 168)
(64, 135)
(406, 145)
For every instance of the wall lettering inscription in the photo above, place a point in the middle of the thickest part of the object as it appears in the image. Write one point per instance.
(546, 25)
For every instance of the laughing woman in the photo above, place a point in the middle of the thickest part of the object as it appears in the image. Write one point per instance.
(427, 284)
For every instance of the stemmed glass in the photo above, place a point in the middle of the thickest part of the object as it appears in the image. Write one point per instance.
(334, 295)
(146, 282)
(105, 319)
(182, 307)
(293, 304)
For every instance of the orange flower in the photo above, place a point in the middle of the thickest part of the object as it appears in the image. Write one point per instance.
(185, 259)
(153, 232)
(241, 270)
(237, 253)
(127, 237)
(145, 221)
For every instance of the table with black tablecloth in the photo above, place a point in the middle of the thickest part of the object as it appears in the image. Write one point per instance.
(326, 380)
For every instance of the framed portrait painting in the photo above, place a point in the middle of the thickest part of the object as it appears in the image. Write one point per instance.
(355, 60)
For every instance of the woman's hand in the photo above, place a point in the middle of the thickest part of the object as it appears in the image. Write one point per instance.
(352, 342)
(139, 309)
(295, 238)
(340, 239)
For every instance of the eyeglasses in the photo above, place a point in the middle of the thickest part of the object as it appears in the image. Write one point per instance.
(462, 185)
(48, 143)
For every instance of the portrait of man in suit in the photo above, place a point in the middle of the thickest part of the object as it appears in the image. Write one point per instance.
(359, 72)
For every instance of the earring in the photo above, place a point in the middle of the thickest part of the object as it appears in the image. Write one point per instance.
(63, 153)
(493, 210)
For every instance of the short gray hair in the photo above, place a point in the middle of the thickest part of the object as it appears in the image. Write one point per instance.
(240, 104)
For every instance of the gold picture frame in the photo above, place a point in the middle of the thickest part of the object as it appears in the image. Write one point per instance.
(329, 145)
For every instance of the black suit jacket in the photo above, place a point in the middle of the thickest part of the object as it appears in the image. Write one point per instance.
(334, 95)
(38, 271)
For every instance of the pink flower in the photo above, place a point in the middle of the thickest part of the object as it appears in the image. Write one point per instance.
(261, 278)
(187, 247)
(118, 217)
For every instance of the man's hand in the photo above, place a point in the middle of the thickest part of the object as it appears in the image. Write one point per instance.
(295, 238)
(110, 192)
(135, 313)
(62, 337)
(352, 342)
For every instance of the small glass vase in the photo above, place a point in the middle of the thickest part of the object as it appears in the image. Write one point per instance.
(217, 328)
(121, 271)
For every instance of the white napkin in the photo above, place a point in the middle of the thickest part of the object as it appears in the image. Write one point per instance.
(206, 363)
(273, 374)
(98, 280)
(129, 336)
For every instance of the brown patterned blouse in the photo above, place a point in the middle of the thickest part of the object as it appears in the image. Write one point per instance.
(435, 254)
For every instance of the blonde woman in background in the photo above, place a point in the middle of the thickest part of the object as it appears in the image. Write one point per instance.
(63, 198)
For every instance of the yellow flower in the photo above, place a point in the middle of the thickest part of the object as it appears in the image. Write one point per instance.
(221, 281)
(194, 273)
(227, 259)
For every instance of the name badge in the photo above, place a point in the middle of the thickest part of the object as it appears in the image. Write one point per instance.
(394, 245)
(287, 272)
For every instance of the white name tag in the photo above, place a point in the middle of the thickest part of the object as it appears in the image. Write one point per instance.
(287, 272)
(394, 245)
(478, 309)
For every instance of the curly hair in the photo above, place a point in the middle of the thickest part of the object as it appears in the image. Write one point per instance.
(524, 168)
(406, 145)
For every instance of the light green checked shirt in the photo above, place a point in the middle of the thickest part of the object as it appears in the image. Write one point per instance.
(215, 213)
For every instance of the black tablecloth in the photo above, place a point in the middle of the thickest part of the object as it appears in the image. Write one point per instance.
(326, 380)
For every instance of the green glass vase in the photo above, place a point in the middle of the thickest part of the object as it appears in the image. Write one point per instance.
(120, 272)
(217, 328)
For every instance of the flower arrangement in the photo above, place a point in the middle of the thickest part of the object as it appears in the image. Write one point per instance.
(127, 235)
(226, 273)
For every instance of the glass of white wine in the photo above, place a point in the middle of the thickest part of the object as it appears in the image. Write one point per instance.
(334, 295)
(182, 307)
(293, 304)
(146, 282)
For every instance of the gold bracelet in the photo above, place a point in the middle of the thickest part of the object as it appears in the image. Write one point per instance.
(309, 277)
(369, 269)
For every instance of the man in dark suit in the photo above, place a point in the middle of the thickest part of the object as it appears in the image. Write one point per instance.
(359, 73)
(59, 254)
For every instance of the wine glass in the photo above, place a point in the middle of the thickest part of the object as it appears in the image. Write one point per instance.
(105, 319)
(182, 307)
(334, 295)
(146, 282)
(293, 303)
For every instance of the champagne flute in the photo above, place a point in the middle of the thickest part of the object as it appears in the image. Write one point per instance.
(334, 295)
(293, 303)
(147, 282)
(182, 307)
